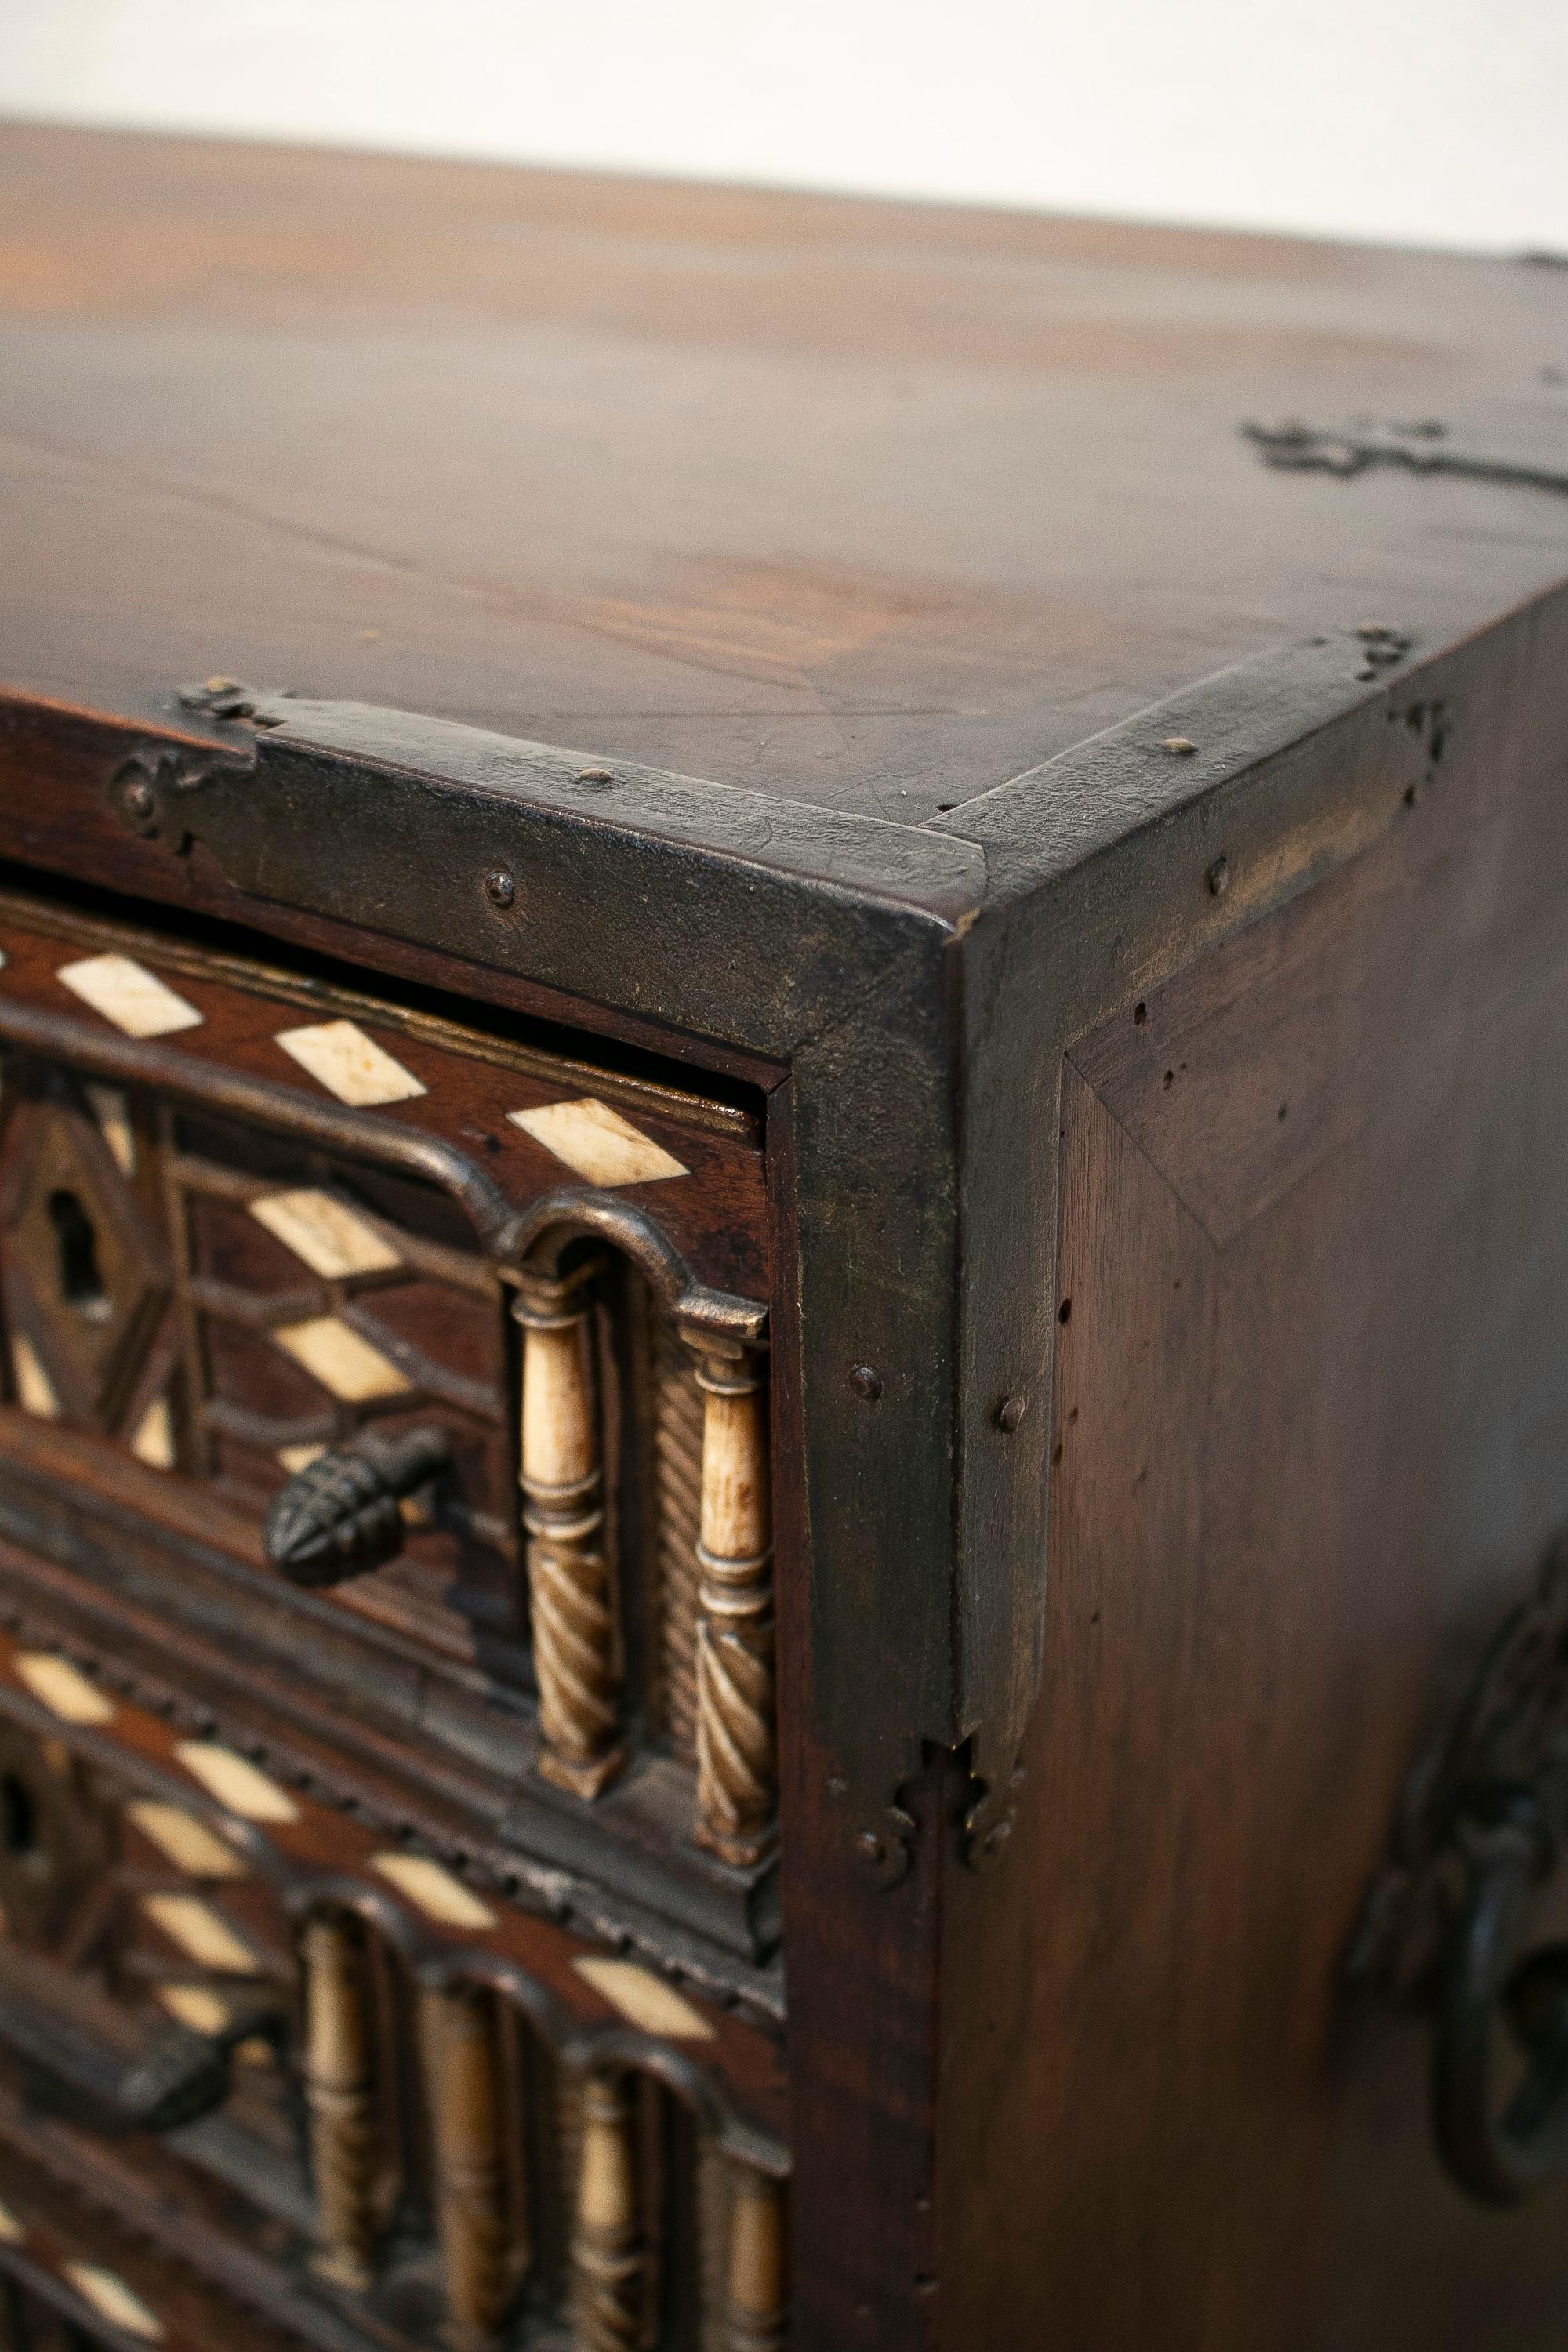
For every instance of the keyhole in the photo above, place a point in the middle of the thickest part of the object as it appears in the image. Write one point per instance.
(81, 1282)
(18, 1815)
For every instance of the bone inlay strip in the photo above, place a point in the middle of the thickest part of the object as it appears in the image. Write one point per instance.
(113, 2300)
(645, 2000)
(432, 1890)
(126, 993)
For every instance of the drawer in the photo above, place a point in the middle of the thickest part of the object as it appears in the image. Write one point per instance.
(364, 2092)
(406, 1370)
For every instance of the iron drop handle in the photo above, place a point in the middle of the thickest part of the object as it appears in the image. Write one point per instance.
(1451, 1926)
(185, 2075)
(339, 1516)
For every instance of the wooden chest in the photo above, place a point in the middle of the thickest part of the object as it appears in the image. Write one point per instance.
(750, 1474)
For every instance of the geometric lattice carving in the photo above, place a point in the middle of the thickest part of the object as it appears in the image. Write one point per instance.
(86, 1275)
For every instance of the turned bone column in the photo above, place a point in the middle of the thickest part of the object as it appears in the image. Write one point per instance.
(461, 2063)
(338, 2099)
(606, 2239)
(757, 2312)
(737, 1769)
(563, 1482)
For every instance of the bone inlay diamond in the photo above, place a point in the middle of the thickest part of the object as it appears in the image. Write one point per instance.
(333, 1352)
(201, 1933)
(239, 1784)
(350, 1064)
(35, 1389)
(185, 1841)
(432, 1890)
(598, 1143)
(113, 1115)
(63, 1689)
(645, 1999)
(333, 1240)
(130, 995)
(154, 1441)
(113, 2300)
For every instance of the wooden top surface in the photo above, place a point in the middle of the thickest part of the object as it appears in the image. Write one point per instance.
(867, 506)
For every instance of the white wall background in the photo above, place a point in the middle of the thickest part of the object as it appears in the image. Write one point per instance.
(1436, 121)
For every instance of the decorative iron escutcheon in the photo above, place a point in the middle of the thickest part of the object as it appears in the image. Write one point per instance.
(1447, 1925)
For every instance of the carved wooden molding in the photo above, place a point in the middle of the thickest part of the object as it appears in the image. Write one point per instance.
(338, 2099)
(737, 1739)
(563, 1480)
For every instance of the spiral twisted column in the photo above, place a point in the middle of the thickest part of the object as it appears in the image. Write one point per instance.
(462, 2064)
(737, 1748)
(337, 2071)
(606, 2241)
(757, 2317)
(563, 1480)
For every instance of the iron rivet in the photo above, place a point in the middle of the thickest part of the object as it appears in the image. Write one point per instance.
(1371, 631)
(869, 1846)
(1010, 1413)
(1219, 877)
(837, 1787)
(867, 1381)
(1179, 745)
(594, 776)
(499, 888)
(139, 797)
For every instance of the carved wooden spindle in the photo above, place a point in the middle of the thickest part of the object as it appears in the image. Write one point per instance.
(758, 2311)
(562, 1481)
(606, 2242)
(338, 2099)
(462, 2058)
(737, 1768)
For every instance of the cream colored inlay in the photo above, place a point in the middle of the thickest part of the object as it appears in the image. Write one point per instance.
(113, 1115)
(200, 1932)
(333, 1240)
(153, 1441)
(299, 1457)
(350, 1064)
(432, 1890)
(130, 995)
(188, 1842)
(201, 2010)
(63, 1689)
(35, 1389)
(236, 1781)
(333, 1352)
(645, 2000)
(113, 2300)
(598, 1143)
(11, 2231)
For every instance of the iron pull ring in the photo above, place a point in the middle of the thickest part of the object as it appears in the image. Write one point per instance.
(1501, 2144)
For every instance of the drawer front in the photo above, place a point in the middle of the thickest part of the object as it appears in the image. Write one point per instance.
(417, 1375)
(353, 2080)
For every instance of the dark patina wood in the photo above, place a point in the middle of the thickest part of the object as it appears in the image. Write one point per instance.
(1084, 904)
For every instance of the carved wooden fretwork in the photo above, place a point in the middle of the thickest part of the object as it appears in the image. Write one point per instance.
(607, 2245)
(737, 1769)
(337, 2078)
(563, 1478)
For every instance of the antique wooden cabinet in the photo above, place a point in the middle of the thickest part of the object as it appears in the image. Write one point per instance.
(748, 1473)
